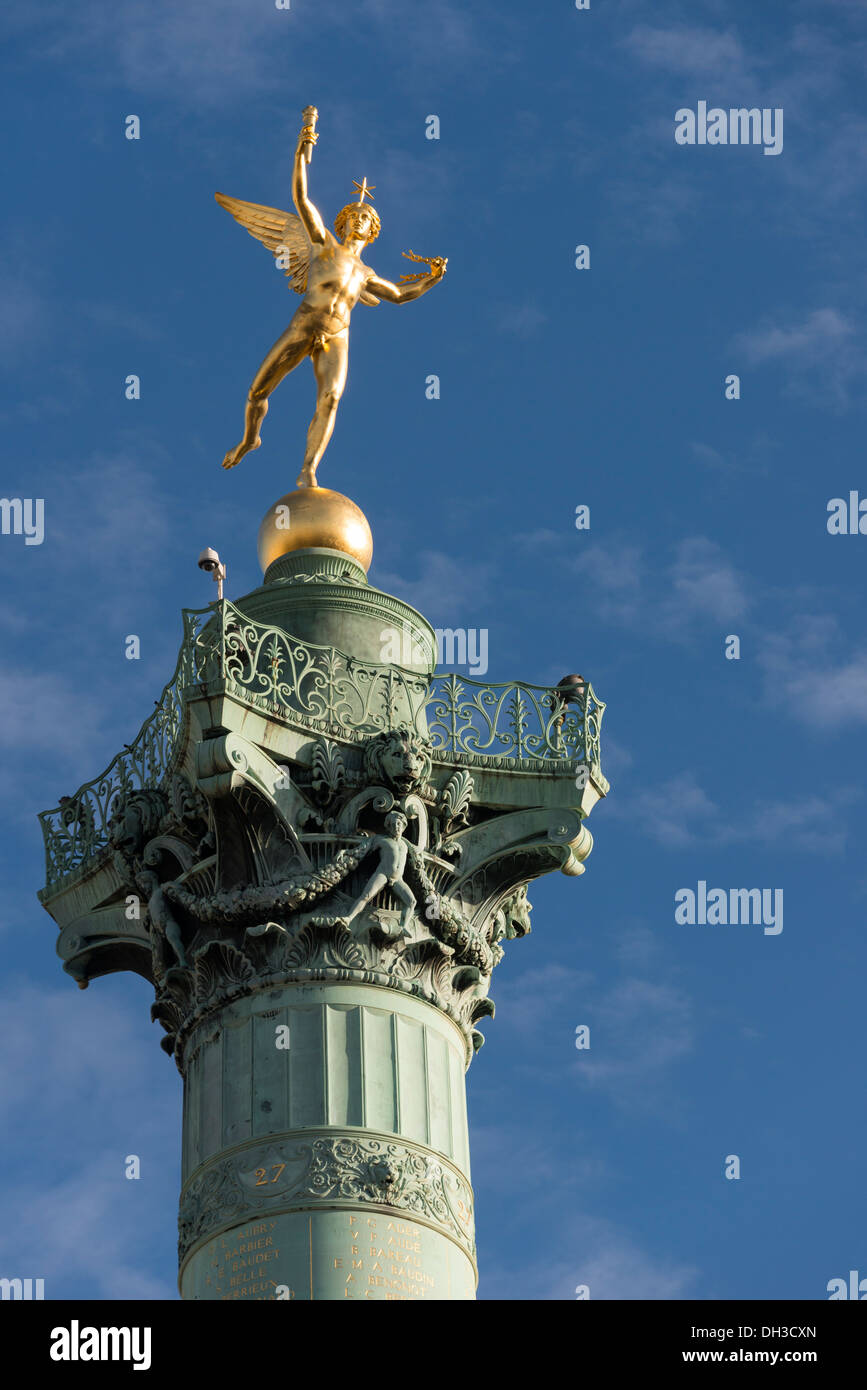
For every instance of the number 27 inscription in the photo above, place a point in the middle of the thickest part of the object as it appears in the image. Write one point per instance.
(262, 1180)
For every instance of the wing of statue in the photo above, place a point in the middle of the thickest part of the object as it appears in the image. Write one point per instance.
(281, 232)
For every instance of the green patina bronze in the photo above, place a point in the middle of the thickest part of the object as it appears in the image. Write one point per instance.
(316, 858)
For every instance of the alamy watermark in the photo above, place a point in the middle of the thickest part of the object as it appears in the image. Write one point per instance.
(77, 1343)
(847, 517)
(856, 1288)
(23, 516)
(22, 1288)
(737, 126)
(730, 907)
(456, 646)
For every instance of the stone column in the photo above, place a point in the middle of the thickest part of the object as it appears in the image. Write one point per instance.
(316, 850)
(325, 1149)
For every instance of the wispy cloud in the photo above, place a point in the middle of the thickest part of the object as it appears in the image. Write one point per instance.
(810, 671)
(33, 702)
(752, 458)
(523, 318)
(226, 53)
(679, 813)
(541, 994)
(812, 340)
(821, 353)
(809, 674)
(638, 1026)
(690, 50)
(26, 317)
(445, 588)
(608, 1261)
(81, 1221)
(698, 582)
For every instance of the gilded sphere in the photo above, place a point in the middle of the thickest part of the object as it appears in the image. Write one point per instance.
(314, 517)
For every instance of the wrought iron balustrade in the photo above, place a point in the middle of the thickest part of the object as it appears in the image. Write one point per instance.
(511, 725)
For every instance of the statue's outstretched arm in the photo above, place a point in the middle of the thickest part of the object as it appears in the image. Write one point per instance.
(309, 214)
(402, 294)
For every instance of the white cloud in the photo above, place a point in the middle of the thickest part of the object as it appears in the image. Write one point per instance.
(63, 1045)
(679, 813)
(807, 674)
(637, 1029)
(588, 1250)
(674, 813)
(704, 584)
(638, 1026)
(446, 590)
(690, 50)
(87, 1227)
(529, 1002)
(32, 704)
(697, 583)
(812, 340)
(821, 353)
(225, 53)
(530, 1155)
(26, 318)
(524, 318)
(68, 1213)
(656, 206)
(706, 454)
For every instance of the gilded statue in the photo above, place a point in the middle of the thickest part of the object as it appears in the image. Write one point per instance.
(329, 272)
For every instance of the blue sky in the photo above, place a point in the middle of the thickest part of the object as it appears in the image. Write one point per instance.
(559, 387)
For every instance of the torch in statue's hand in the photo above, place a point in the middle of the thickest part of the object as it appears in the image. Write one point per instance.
(308, 136)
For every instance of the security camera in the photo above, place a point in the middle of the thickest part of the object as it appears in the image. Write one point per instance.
(210, 562)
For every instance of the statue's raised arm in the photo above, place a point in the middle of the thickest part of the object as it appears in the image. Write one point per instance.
(329, 272)
(307, 211)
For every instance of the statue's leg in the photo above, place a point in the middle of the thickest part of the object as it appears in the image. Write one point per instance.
(283, 358)
(329, 368)
(407, 897)
(374, 886)
(173, 936)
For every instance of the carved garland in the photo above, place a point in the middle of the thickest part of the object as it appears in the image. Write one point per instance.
(332, 1172)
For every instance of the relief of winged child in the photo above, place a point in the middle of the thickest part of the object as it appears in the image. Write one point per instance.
(332, 277)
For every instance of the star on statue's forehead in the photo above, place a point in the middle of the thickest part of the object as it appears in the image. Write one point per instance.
(365, 189)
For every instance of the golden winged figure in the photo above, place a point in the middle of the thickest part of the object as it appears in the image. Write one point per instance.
(329, 272)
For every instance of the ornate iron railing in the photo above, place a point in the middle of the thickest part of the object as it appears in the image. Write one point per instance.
(512, 723)
(326, 689)
(77, 829)
(522, 727)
